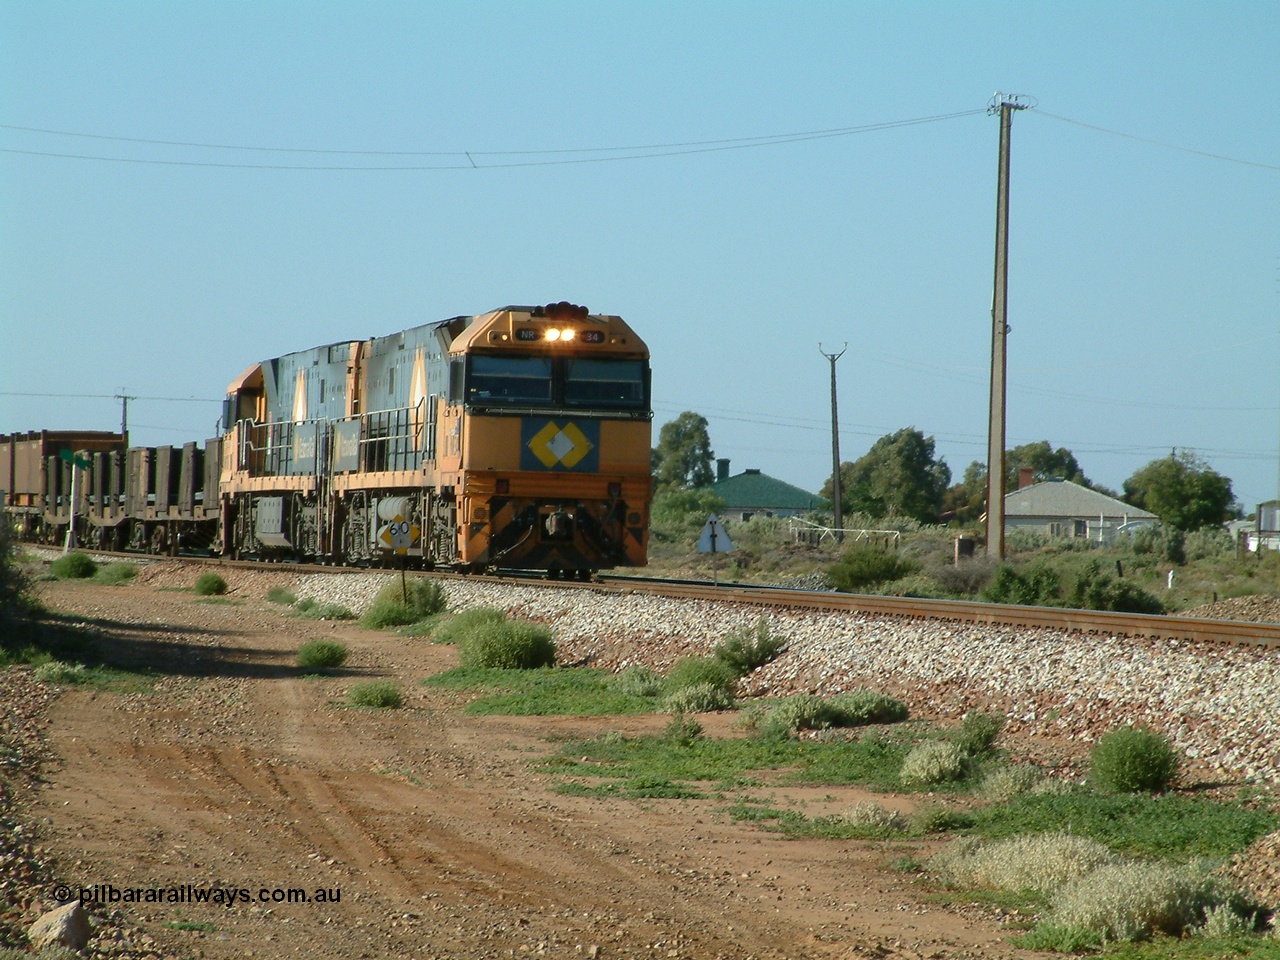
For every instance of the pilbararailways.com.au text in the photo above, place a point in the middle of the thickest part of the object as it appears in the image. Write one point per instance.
(189, 893)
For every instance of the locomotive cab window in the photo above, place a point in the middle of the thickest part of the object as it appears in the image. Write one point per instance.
(509, 380)
(604, 383)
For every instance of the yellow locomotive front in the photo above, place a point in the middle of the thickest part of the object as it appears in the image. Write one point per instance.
(545, 439)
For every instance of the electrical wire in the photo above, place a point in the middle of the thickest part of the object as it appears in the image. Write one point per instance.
(467, 157)
(1157, 143)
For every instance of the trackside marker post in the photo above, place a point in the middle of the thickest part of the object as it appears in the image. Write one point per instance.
(713, 540)
(78, 463)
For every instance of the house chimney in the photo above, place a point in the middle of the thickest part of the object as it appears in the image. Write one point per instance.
(1026, 476)
(722, 469)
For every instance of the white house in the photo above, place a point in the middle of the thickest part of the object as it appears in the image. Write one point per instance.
(1060, 508)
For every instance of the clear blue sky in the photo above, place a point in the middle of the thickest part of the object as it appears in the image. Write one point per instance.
(334, 199)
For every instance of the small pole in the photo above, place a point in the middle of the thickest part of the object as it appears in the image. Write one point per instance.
(715, 561)
(838, 519)
(71, 527)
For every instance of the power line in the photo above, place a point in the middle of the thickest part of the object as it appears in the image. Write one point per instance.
(1158, 143)
(466, 158)
(105, 396)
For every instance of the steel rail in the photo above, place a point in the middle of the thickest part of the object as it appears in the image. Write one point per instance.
(1098, 622)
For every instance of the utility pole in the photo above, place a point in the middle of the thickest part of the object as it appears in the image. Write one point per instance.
(838, 522)
(124, 416)
(1005, 105)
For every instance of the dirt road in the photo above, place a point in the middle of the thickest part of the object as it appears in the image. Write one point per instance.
(419, 832)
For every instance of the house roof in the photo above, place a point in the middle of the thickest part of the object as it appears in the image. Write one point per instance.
(1062, 498)
(752, 489)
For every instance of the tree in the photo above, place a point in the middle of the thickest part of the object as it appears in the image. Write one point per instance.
(682, 459)
(897, 477)
(968, 498)
(1183, 491)
(1045, 463)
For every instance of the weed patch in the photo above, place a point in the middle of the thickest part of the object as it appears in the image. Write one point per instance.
(322, 654)
(562, 691)
(376, 694)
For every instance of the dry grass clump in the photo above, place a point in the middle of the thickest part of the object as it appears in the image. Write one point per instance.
(805, 711)
(1129, 901)
(870, 816)
(638, 681)
(698, 698)
(743, 651)
(934, 761)
(57, 672)
(1043, 862)
(1004, 783)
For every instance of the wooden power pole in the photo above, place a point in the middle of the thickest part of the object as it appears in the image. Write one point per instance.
(1005, 105)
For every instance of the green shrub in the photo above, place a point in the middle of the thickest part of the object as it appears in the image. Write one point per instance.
(282, 595)
(806, 711)
(383, 613)
(113, 574)
(508, 645)
(1097, 590)
(380, 694)
(322, 654)
(1042, 863)
(14, 585)
(694, 671)
(210, 585)
(857, 708)
(73, 566)
(1133, 760)
(427, 597)
(638, 681)
(456, 628)
(864, 566)
(697, 698)
(1161, 542)
(1209, 542)
(977, 732)
(743, 651)
(1038, 587)
(682, 731)
(1131, 901)
(931, 762)
(399, 603)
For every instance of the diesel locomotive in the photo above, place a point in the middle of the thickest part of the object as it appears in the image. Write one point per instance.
(517, 438)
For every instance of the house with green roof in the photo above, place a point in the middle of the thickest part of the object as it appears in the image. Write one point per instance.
(752, 492)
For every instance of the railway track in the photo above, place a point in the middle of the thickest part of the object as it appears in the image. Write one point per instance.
(1094, 622)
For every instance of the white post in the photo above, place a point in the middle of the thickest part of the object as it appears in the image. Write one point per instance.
(71, 527)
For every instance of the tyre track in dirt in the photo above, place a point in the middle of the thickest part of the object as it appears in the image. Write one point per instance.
(442, 839)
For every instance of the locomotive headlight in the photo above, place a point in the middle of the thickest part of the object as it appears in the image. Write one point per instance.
(553, 334)
(566, 335)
